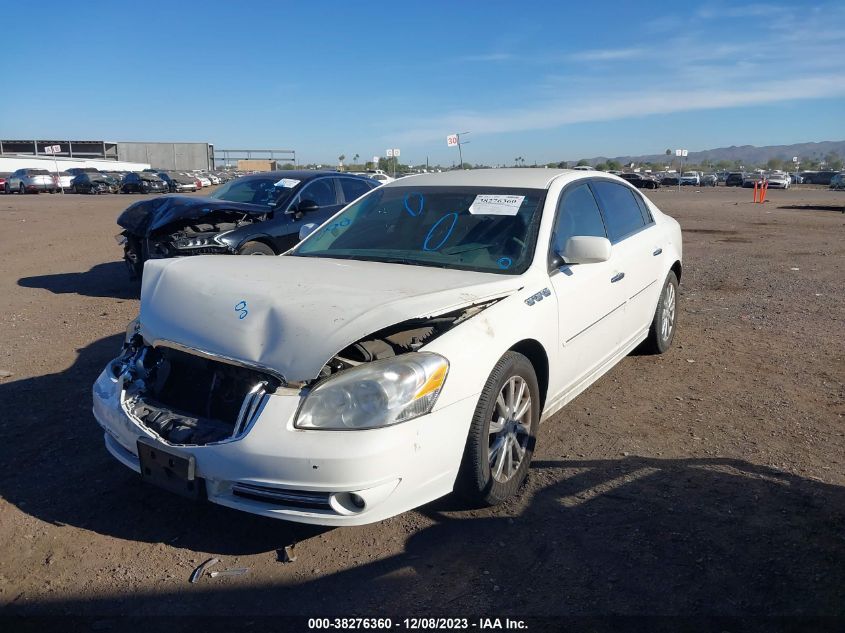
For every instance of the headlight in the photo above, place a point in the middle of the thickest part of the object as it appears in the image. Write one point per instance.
(377, 394)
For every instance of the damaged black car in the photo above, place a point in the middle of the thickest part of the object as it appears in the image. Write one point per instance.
(260, 214)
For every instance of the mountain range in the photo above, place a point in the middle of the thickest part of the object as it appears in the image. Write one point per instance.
(749, 154)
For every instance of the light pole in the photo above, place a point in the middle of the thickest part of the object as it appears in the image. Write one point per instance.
(460, 142)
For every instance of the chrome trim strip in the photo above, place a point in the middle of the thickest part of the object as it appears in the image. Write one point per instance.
(643, 290)
(595, 323)
(320, 500)
(220, 357)
(249, 407)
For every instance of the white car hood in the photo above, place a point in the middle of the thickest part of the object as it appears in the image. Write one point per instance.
(292, 314)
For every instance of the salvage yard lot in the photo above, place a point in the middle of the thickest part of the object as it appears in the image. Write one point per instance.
(709, 480)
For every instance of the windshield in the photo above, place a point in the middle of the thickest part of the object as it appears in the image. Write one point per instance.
(485, 229)
(269, 191)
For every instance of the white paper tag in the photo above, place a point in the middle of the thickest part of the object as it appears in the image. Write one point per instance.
(496, 205)
(288, 183)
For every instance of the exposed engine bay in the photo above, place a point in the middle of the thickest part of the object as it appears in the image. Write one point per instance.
(408, 336)
(188, 399)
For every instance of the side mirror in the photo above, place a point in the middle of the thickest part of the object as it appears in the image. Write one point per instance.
(306, 230)
(586, 249)
(306, 206)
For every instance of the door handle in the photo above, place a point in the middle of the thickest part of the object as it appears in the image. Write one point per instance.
(657, 252)
(617, 277)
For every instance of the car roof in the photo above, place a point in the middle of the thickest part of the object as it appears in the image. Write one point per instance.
(526, 178)
(298, 174)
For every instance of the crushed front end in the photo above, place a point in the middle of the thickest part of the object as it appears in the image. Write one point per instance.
(224, 429)
(188, 399)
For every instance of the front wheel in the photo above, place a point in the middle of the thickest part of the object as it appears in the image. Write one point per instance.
(502, 434)
(663, 325)
(255, 248)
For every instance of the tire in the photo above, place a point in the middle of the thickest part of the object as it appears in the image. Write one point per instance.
(665, 321)
(22, 190)
(255, 248)
(73, 189)
(478, 481)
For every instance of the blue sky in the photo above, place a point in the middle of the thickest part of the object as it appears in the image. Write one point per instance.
(542, 80)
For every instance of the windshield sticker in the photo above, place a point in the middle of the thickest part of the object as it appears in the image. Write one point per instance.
(414, 212)
(505, 263)
(287, 183)
(496, 205)
(426, 245)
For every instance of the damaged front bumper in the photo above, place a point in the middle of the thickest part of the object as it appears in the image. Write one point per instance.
(268, 467)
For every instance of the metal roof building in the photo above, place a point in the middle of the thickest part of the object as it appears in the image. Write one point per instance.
(168, 156)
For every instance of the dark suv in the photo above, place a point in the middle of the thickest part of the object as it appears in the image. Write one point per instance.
(734, 179)
(259, 214)
(144, 182)
(818, 177)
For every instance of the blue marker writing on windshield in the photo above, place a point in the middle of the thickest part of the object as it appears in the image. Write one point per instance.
(414, 212)
(426, 245)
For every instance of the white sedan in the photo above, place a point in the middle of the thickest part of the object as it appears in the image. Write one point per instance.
(778, 180)
(408, 347)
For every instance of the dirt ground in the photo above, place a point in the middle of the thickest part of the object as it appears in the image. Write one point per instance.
(707, 481)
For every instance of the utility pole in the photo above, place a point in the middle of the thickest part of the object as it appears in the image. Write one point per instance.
(460, 142)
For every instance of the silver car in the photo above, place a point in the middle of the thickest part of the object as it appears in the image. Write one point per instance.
(31, 181)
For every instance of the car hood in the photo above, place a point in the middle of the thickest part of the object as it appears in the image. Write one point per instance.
(292, 314)
(146, 216)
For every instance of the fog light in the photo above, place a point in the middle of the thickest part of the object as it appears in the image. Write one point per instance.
(347, 503)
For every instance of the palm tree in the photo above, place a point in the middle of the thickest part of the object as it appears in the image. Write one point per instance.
(340, 160)
(355, 159)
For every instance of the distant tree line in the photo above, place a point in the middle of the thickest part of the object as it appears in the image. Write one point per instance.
(829, 161)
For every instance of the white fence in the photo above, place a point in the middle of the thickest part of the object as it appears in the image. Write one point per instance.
(13, 163)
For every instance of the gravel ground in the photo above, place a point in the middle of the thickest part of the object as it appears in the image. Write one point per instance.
(707, 481)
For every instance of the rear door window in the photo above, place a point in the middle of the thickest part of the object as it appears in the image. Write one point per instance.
(621, 212)
(321, 191)
(353, 188)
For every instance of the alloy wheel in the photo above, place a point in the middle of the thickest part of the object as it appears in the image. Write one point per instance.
(667, 321)
(509, 429)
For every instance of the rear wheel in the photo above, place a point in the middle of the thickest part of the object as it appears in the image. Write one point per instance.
(22, 190)
(255, 248)
(663, 325)
(502, 434)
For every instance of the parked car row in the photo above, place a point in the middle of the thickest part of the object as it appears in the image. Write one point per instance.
(89, 180)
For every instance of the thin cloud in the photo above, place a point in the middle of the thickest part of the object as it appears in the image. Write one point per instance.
(489, 57)
(614, 106)
(606, 55)
(705, 71)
